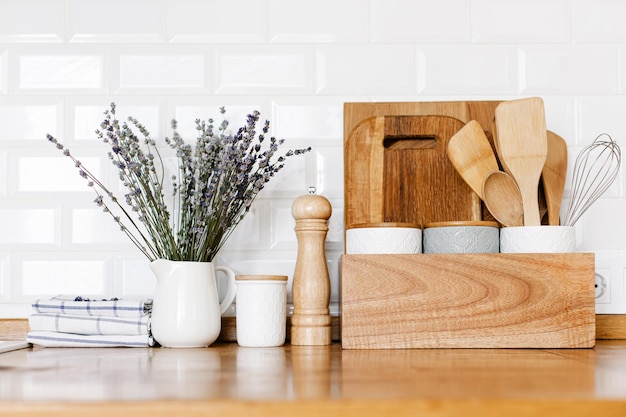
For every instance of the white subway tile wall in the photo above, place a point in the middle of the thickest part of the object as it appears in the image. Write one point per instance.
(62, 62)
(56, 69)
(263, 69)
(419, 22)
(111, 21)
(4, 70)
(145, 69)
(512, 22)
(39, 21)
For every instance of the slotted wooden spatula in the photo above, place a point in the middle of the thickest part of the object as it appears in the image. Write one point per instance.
(522, 148)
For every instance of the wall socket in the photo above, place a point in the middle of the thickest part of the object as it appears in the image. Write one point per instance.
(603, 295)
(610, 282)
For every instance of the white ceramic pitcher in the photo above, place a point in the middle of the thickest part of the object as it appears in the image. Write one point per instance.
(186, 310)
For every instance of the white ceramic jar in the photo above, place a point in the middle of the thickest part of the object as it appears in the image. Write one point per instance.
(384, 238)
(261, 306)
(538, 239)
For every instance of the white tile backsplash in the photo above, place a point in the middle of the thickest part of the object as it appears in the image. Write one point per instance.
(62, 62)
(598, 115)
(328, 157)
(67, 273)
(186, 110)
(597, 234)
(475, 69)
(561, 115)
(146, 70)
(115, 21)
(533, 21)
(32, 176)
(61, 71)
(569, 69)
(4, 71)
(32, 21)
(29, 120)
(264, 70)
(322, 21)
(87, 117)
(309, 119)
(293, 179)
(5, 278)
(420, 21)
(4, 174)
(282, 223)
(82, 115)
(217, 21)
(132, 276)
(251, 233)
(366, 69)
(280, 263)
(88, 228)
(599, 21)
(29, 227)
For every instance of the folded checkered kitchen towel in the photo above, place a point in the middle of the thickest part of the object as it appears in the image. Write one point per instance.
(88, 325)
(54, 339)
(64, 304)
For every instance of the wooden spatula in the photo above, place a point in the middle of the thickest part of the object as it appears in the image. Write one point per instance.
(522, 147)
(472, 156)
(554, 174)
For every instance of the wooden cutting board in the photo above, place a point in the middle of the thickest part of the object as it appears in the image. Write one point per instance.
(395, 163)
(481, 111)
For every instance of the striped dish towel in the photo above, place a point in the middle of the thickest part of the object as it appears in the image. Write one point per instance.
(54, 339)
(88, 325)
(77, 306)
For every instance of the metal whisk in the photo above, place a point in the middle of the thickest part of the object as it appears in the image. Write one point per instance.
(595, 169)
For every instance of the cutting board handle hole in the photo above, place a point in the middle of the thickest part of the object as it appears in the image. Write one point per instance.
(410, 142)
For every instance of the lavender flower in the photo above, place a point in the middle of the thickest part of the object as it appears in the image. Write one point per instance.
(216, 182)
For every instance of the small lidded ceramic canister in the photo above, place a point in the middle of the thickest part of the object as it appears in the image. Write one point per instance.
(538, 239)
(462, 237)
(261, 306)
(384, 238)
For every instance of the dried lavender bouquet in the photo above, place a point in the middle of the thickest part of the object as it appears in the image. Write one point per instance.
(216, 182)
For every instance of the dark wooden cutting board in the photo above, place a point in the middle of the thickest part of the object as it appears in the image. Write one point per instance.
(395, 162)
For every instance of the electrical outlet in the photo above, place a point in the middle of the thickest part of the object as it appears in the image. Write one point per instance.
(610, 282)
(603, 291)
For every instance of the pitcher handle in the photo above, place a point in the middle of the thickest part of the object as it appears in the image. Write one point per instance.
(230, 291)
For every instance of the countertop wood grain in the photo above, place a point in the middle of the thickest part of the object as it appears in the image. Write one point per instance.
(226, 379)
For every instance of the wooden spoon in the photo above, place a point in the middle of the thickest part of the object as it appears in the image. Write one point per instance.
(522, 147)
(503, 199)
(553, 175)
(471, 155)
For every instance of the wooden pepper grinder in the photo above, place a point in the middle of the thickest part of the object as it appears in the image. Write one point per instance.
(310, 322)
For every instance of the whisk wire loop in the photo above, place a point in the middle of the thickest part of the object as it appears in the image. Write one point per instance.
(595, 169)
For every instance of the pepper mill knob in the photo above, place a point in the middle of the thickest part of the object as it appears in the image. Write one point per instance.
(310, 322)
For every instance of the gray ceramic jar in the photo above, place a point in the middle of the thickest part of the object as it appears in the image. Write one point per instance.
(462, 237)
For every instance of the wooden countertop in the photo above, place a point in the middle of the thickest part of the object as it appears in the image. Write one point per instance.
(226, 379)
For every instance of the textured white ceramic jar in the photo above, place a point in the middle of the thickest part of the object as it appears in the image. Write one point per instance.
(462, 237)
(384, 238)
(538, 239)
(261, 310)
